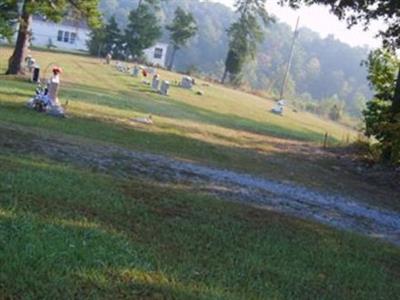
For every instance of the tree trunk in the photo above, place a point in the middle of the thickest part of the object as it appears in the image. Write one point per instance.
(171, 62)
(224, 76)
(15, 63)
(396, 98)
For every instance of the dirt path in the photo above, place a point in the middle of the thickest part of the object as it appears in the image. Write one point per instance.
(335, 210)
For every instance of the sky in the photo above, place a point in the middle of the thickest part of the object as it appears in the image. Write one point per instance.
(320, 20)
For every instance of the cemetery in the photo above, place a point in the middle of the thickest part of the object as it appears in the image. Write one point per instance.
(144, 172)
(175, 149)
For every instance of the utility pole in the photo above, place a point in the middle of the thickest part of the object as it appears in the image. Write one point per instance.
(295, 35)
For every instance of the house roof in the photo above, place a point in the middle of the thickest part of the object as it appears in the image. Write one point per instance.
(67, 21)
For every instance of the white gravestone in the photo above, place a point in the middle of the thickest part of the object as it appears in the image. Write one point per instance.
(135, 71)
(156, 82)
(164, 88)
(54, 108)
(187, 82)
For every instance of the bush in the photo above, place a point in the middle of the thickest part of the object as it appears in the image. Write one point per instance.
(380, 122)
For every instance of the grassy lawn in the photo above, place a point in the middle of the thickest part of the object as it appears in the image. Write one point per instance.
(73, 233)
(70, 233)
(224, 128)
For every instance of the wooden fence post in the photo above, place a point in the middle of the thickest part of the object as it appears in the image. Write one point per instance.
(325, 140)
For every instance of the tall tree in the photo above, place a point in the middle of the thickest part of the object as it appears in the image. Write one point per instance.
(54, 10)
(183, 27)
(142, 30)
(382, 71)
(363, 11)
(8, 18)
(245, 34)
(105, 39)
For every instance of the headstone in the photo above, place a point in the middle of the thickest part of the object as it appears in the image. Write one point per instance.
(164, 88)
(156, 82)
(144, 120)
(30, 63)
(36, 74)
(279, 107)
(108, 58)
(187, 82)
(121, 67)
(53, 86)
(135, 71)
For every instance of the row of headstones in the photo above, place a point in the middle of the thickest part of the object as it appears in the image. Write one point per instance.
(156, 84)
(186, 83)
(163, 86)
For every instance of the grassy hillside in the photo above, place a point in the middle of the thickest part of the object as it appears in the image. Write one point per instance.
(96, 88)
(77, 233)
(224, 127)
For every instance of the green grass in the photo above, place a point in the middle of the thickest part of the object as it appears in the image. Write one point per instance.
(70, 233)
(224, 128)
(73, 233)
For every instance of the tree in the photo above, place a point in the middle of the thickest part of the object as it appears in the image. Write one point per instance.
(379, 123)
(96, 42)
(183, 27)
(53, 10)
(142, 30)
(8, 18)
(106, 39)
(363, 11)
(113, 36)
(245, 34)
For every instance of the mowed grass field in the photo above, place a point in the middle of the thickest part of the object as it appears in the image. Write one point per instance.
(72, 233)
(224, 128)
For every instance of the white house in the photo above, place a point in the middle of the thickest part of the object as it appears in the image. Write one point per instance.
(157, 55)
(73, 36)
(66, 35)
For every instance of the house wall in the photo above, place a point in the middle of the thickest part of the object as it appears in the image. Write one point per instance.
(43, 32)
(152, 54)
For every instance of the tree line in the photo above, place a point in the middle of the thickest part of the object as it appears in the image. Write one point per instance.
(142, 31)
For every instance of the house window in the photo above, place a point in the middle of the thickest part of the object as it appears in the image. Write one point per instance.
(158, 53)
(60, 36)
(73, 38)
(66, 36)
